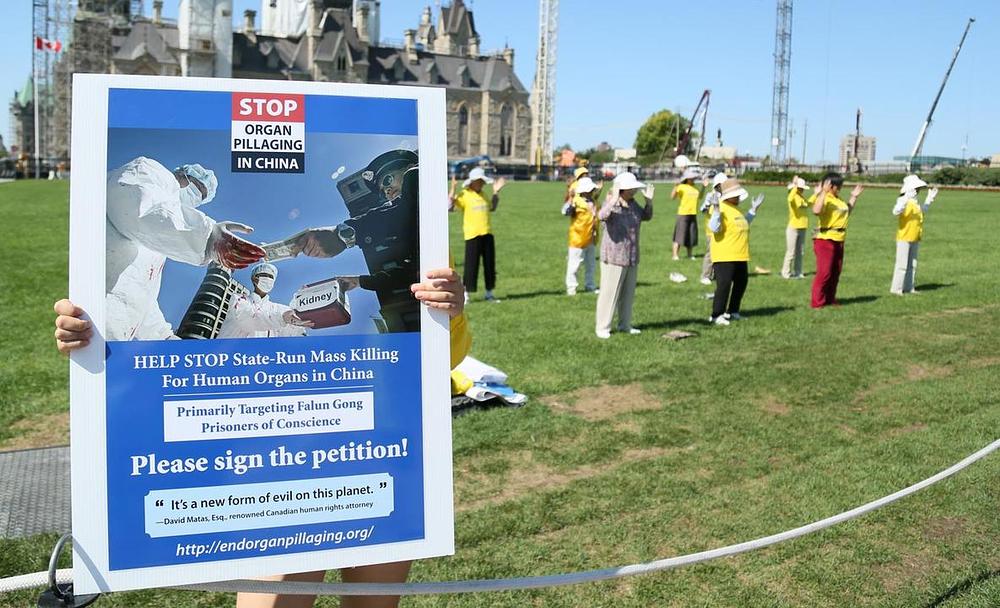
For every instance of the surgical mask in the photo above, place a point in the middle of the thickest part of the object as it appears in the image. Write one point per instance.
(265, 284)
(191, 196)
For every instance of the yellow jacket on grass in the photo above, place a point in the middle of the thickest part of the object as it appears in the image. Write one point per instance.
(798, 217)
(475, 213)
(583, 225)
(911, 223)
(833, 219)
(731, 243)
(461, 344)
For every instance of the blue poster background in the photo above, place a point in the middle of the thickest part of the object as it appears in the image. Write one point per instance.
(343, 134)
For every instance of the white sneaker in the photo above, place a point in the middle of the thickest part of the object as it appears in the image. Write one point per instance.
(706, 281)
(603, 335)
(675, 258)
(721, 320)
(895, 293)
(631, 331)
(571, 292)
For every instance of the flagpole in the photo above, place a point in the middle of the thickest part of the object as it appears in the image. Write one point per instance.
(34, 102)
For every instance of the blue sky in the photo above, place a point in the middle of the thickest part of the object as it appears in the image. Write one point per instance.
(618, 66)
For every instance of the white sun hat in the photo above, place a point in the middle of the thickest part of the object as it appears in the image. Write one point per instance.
(690, 174)
(798, 182)
(475, 174)
(585, 184)
(731, 188)
(719, 179)
(627, 181)
(911, 183)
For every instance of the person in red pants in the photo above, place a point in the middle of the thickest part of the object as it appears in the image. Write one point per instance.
(828, 244)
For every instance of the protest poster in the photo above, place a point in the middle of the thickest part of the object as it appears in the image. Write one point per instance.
(263, 394)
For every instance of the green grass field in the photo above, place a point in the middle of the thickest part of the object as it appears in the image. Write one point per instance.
(638, 448)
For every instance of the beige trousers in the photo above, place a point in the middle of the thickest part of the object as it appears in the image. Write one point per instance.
(795, 240)
(617, 294)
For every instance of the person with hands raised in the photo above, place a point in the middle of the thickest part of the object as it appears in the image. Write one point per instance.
(730, 230)
(622, 216)
(479, 242)
(910, 214)
(828, 243)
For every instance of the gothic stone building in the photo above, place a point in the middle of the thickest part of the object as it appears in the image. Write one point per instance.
(487, 105)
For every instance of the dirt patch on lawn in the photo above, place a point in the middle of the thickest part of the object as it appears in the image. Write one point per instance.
(944, 528)
(41, 431)
(912, 567)
(605, 401)
(916, 371)
(905, 430)
(771, 405)
(964, 310)
(527, 475)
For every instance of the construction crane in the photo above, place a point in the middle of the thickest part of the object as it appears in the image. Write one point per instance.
(919, 146)
(543, 92)
(684, 139)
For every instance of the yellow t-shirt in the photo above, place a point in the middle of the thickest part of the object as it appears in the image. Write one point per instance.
(911, 223)
(833, 219)
(797, 217)
(689, 199)
(732, 242)
(583, 225)
(476, 213)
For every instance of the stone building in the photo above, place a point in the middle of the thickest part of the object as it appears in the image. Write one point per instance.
(324, 40)
(866, 151)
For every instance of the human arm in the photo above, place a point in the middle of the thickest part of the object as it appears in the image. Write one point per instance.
(855, 193)
(754, 206)
(497, 187)
(452, 193)
(647, 210)
(900, 205)
(72, 330)
(931, 195)
(715, 221)
(820, 201)
(442, 289)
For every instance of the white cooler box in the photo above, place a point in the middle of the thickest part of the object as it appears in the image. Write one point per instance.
(323, 303)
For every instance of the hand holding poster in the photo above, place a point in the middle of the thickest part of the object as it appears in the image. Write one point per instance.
(264, 393)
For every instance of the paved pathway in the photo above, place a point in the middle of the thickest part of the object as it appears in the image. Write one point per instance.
(34, 492)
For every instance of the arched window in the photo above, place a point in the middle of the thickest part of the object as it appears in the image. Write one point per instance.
(463, 129)
(342, 63)
(506, 130)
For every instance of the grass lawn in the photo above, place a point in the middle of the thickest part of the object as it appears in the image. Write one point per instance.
(638, 448)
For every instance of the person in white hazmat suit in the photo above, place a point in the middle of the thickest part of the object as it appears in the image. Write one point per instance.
(152, 216)
(256, 316)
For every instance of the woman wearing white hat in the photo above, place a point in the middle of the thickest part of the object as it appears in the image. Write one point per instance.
(622, 217)
(476, 228)
(730, 250)
(706, 207)
(911, 229)
(795, 232)
(686, 227)
(582, 234)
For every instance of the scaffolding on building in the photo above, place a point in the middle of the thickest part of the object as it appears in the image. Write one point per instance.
(543, 92)
(782, 73)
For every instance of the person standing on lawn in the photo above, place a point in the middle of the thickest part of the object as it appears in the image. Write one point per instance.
(730, 250)
(795, 232)
(622, 217)
(828, 244)
(582, 235)
(479, 241)
(706, 207)
(909, 233)
(578, 174)
(686, 228)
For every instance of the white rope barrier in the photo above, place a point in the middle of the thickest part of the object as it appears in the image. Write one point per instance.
(534, 582)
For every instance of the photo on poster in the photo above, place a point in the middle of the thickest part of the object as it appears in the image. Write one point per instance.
(264, 389)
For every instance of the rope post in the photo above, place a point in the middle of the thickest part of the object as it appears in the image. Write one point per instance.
(61, 596)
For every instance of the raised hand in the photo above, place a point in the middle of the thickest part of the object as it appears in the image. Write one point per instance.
(756, 203)
(498, 185)
(856, 192)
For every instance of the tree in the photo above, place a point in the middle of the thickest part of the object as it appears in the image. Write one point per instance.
(660, 130)
(597, 157)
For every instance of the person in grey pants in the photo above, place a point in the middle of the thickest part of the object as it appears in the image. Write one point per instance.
(910, 214)
(622, 217)
(795, 232)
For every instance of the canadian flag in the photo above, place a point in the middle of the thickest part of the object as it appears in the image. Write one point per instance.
(44, 44)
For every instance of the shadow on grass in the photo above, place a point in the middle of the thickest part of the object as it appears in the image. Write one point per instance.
(961, 587)
(673, 323)
(934, 286)
(767, 311)
(532, 294)
(856, 300)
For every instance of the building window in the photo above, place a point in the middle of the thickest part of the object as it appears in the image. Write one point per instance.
(506, 130)
(342, 63)
(463, 129)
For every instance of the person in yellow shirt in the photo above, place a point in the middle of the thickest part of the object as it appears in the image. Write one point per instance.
(828, 244)
(730, 249)
(686, 228)
(582, 235)
(795, 232)
(909, 232)
(479, 242)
